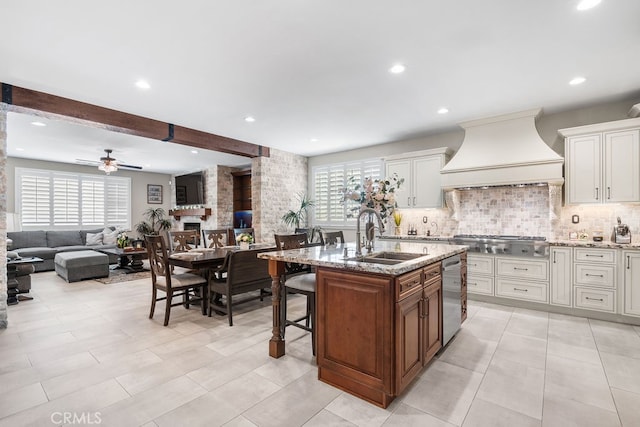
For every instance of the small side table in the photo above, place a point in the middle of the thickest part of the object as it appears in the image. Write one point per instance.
(12, 282)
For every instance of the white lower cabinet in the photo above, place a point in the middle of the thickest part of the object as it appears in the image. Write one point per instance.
(594, 279)
(521, 289)
(631, 261)
(525, 279)
(560, 284)
(595, 299)
(480, 274)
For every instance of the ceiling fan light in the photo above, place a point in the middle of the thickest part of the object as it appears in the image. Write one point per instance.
(108, 167)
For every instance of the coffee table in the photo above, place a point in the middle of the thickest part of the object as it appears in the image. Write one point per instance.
(130, 260)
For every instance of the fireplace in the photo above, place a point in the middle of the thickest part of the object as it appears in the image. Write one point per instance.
(187, 226)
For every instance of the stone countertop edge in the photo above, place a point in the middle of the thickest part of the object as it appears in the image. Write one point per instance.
(418, 237)
(592, 244)
(333, 257)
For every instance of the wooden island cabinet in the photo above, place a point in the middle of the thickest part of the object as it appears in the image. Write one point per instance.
(377, 326)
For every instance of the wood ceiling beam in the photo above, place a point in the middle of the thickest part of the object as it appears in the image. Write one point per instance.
(21, 99)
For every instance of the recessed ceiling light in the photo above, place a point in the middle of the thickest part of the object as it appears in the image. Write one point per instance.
(194, 151)
(249, 119)
(314, 139)
(38, 124)
(577, 81)
(19, 149)
(443, 110)
(587, 4)
(143, 84)
(397, 69)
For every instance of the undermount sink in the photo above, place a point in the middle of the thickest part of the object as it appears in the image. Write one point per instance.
(389, 258)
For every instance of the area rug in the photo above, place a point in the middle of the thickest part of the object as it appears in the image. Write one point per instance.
(117, 276)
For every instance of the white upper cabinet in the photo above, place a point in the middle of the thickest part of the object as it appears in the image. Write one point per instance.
(421, 173)
(602, 163)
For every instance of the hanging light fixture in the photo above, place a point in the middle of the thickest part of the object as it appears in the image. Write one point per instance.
(108, 164)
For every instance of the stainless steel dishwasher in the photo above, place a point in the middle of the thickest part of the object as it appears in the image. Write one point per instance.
(451, 288)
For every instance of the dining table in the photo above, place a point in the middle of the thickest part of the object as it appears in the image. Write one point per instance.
(208, 260)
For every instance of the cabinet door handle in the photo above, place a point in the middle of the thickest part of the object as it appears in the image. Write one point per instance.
(608, 192)
(554, 257)
(521, 290)
(594, 299)
(597, 198)
(628, 260)
(594, 275)
(595, 256)
(425, 307)
(521, 269)
(408, 201)
(472, 284)
(414, 200)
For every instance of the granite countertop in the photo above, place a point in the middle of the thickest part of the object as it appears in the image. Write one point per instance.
(606, 244)
(333, 256)
(420, 237)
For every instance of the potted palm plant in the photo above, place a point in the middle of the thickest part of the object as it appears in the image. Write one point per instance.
(295, 218)
(155, 223)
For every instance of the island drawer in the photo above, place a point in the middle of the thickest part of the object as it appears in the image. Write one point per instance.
(407, 282)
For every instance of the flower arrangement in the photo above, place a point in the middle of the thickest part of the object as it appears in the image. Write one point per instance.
(378, 194)
(244, 238)
(122, 240)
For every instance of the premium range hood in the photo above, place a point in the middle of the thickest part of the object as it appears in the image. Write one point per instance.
(502, 150)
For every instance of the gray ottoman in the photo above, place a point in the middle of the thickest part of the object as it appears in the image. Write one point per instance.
(80, 265)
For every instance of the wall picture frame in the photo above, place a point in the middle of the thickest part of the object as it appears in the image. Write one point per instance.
(154, 194)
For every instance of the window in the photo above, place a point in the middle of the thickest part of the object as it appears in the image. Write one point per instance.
(328, 182)
(60, 200)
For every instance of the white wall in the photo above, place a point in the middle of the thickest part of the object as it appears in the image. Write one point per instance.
(139, 181)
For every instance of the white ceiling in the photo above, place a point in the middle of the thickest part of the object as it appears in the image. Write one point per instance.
(309, 69)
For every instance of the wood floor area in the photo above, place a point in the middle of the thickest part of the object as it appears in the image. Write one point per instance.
(86, 353)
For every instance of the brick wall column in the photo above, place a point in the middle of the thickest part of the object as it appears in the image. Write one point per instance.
(3, 215)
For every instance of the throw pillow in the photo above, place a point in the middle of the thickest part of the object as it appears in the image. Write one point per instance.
(94, 239)
(109, 236)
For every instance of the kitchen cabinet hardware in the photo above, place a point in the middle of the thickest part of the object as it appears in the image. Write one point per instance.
(594, 275)
(594, 299)
(594, 256)
(554, 258)
(597, 198)
(628, 260)
(608, 193)
(521, 290)
(521, 269)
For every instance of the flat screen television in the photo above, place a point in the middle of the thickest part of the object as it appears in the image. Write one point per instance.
(190, 189)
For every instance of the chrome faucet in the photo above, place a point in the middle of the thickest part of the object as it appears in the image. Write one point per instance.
(370, 233)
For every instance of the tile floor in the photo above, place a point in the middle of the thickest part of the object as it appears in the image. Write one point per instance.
(87, 351)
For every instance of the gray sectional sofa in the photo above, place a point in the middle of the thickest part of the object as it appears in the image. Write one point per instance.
(46, 244)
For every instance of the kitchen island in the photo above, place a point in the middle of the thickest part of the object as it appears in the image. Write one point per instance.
(378, 318)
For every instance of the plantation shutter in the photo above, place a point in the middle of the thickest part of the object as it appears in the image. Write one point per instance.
(57, 200)
(329, 182)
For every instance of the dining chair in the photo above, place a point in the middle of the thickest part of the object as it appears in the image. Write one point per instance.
(298, 279)
(173, 285)
(333, 237)
(182, 241)
(313, 235)
(215, 238)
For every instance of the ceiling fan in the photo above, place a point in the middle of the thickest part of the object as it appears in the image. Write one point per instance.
(107, 163)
